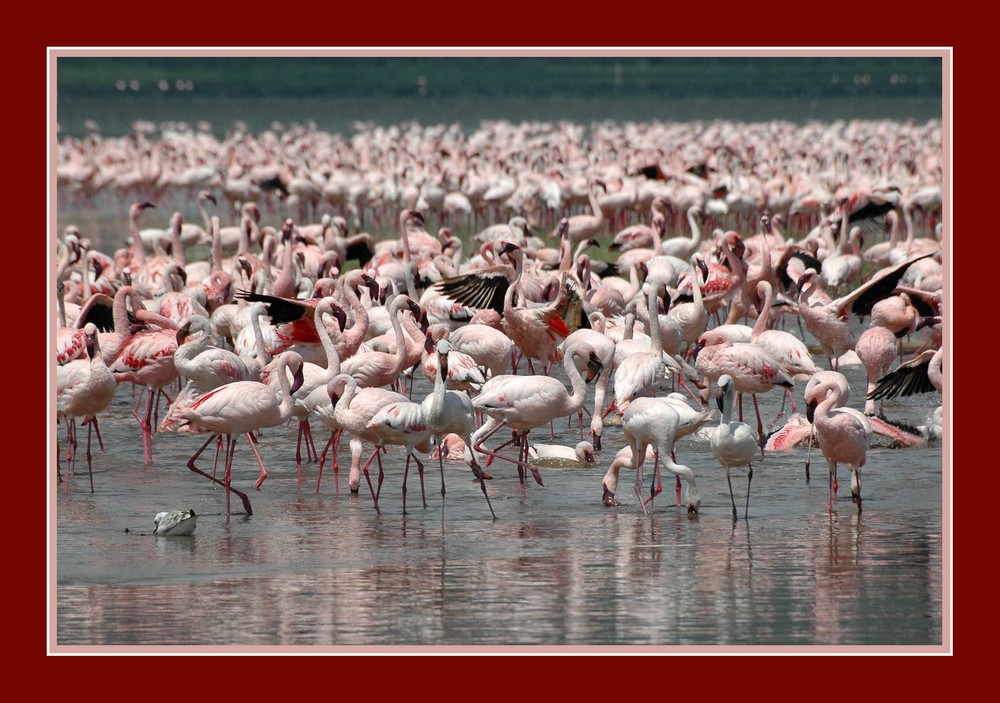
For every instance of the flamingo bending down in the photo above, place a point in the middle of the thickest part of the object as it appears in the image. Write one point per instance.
(622, 460)
(733, 442)
(650, 422)
(844, 436)
(244, 407)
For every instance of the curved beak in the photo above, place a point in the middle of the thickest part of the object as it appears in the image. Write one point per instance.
(183, 274)
(718, 400)
(183, 333)
(703, 266)
(443, 362)
(609, 498)
(372, 285)
(90, 346)
(245, 266)
(143, 206)
(594, 367)
(428, 344)
(211, 198)
(339, 313)
(298, 378)
(811, 410)
(414, 308)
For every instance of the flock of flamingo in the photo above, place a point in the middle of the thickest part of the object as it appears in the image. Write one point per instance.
(716, 248)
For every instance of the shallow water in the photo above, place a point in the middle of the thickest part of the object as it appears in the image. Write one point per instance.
(556, 567)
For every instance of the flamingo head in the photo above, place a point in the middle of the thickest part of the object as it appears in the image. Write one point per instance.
(205, 195)
(340, 314)
(183, 333)
(507, 248)
(90, 329)
(372, 285)
(609, 497)
(594, 367)
(443, 348)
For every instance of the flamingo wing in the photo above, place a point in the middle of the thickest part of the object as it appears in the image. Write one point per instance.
(485, 288)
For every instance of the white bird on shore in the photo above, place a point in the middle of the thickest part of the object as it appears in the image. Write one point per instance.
(175, 523)
(580, 455)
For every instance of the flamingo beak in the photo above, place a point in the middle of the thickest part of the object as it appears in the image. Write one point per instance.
(597, 440)
(211, 198)
(372, 285)
(718, 401)
(183, 333)
(811, 410)
(609, 498)
(594, 367)
(143, 206)
(443, 362)
(90, 346)
(428, 344)
(339, 313)
(298, 379)
(704, 267)
(589, 456)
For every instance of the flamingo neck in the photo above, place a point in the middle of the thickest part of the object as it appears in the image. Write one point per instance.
(332, 358)
(262, 354)
(762, 317)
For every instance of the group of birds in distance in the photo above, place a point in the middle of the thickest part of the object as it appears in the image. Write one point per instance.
(656, 263)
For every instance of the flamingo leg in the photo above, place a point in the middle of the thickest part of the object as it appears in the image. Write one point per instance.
(420, 472)
(147, 434)
(760, 426)
(310, 444)
(322, 460)
(855, 486)
(731, 498)
(442, 448)
(831, 489)
(406, 473)
(97, 429)
(478, 473)
(218, 448)
(746, 510)
(191, 465)
(263, 471)
(381, 471)
(364, 470)
(531, 467)
(639, 477)
(90, 467)
(495, 455)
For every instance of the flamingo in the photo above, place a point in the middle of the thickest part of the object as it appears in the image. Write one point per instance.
(650, 422)
(353, 408)
(84, 388)
(374, 369)
(752, 369)
(526, 402)
(451, 412)
(147, 359)
(642, 374)
(787, 349)
(733, 442)
(844, 436)
(622, 460)
(244, 407)
(206, 366)
(876, 347)
(401, 423)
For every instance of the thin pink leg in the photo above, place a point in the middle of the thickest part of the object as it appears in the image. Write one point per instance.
(263, 471)
(90, 467)
(191, 465)
(420, 472)
(364, 470)
(322, 460)
(406, 473)
(147, 433)
(97, 429)
(760, 425)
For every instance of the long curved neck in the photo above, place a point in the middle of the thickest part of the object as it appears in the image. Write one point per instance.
(654, 321)
(216, 244)
(87, 291)
(829, 402)
(695, 227)
(332, 357)
(204, 215)
(397, 328)
(579, 393)
(764, 315)
(727, 404)
(120, 313)
(190, 350)
(595, 205)
(177, 247)
(138, 251)
(659, 222)
(355, 334)
(508, 299)
(287, 402)
(258, 336)
(404, 237)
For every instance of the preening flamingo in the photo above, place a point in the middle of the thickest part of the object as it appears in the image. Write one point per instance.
(844, 436)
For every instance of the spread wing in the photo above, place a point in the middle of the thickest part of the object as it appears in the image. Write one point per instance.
(485, 288)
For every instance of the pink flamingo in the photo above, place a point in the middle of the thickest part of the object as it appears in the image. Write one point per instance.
(451, 412)
(844, 437)
(526, 402)
(401, 423)
(374, 369)
(651, 422)
(244, 407)
(353, 408)
(147, 359)
(787, 349)
(622, 460)
(84, 387)
(752, 369)
(876, 348)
